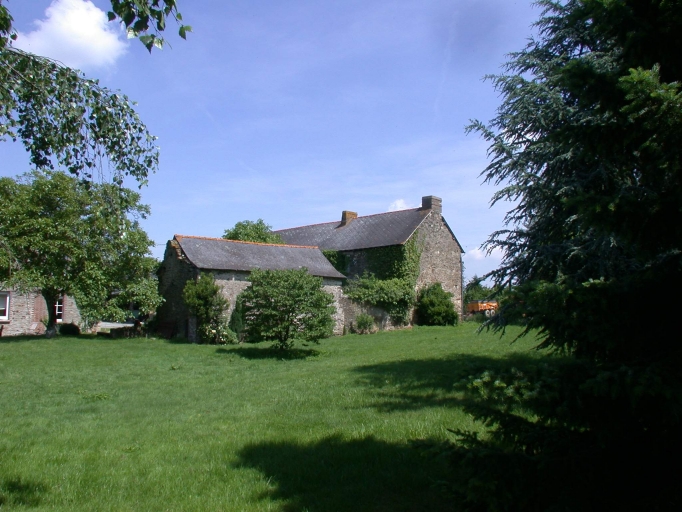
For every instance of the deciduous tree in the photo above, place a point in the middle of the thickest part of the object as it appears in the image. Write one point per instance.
(249, 231)
(61, 237)
(285, 305)
(68, 121)
(476, 290)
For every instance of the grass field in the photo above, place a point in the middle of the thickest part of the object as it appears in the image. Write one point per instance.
(98, 424)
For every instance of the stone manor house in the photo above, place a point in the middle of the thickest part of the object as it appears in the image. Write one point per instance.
(353, 236)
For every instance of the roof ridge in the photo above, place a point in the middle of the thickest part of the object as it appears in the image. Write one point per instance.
(386, 213)
(308, 225)
(176, 236)
(348, 223)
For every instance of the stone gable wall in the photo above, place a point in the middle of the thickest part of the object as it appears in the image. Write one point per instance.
(440, 262)
(441, 258)
(175, 271)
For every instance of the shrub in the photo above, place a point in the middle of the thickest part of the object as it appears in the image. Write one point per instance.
(364, 323)
(217, 333)
(130, 331)
(69, 330)
(435, 307)
(204, 300)
(395, 296)
(285, 305)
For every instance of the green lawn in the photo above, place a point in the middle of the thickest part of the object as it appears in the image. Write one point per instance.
(98, 424)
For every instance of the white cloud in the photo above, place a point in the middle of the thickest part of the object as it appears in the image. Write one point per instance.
(479, 255)
(478, 263)
(398, 204)
(76, 33)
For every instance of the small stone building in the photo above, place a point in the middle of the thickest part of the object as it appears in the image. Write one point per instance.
(358, 238)
(231, 262)
(24, 313)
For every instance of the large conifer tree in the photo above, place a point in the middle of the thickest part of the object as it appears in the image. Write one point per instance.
(588, 142)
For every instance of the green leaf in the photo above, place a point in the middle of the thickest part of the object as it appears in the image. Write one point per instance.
(183, 31)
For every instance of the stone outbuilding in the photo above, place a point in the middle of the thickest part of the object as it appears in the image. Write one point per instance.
(231, 262)
(358, 237)
(24, 313)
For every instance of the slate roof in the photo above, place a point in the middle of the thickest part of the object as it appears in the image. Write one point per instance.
(221, 254)
(379, 230)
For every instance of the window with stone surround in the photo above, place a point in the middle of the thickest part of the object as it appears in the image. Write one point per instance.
(4, 306)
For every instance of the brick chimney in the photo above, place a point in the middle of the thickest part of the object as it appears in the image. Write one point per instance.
(432, 203)
(347, 216)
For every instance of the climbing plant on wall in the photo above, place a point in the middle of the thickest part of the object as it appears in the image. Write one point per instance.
(396, 261)
(338, 260)
(390, 280)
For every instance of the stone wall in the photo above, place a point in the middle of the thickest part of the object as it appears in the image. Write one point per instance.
(71, 314)
(441, 258)
(333, 286)
(233, 283)
(175, 271)
(28, 310)
(22, 314)
(382, 320)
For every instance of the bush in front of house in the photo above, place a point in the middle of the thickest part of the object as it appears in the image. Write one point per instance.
(285, 305)
(435, 307)
(205, 301)
(217, 333)
(364, 324)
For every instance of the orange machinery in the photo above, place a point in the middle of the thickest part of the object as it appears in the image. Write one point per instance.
(489, 307)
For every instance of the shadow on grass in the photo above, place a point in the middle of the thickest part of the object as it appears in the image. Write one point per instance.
(18, 339)
(20, 492)
(40, 337)
(177, 341)
(419, 383)
(270, 353)
(348, 475)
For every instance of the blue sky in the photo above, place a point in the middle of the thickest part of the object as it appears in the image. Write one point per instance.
(293, 111)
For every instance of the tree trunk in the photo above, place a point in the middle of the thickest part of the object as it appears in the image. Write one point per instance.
(51, 298)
